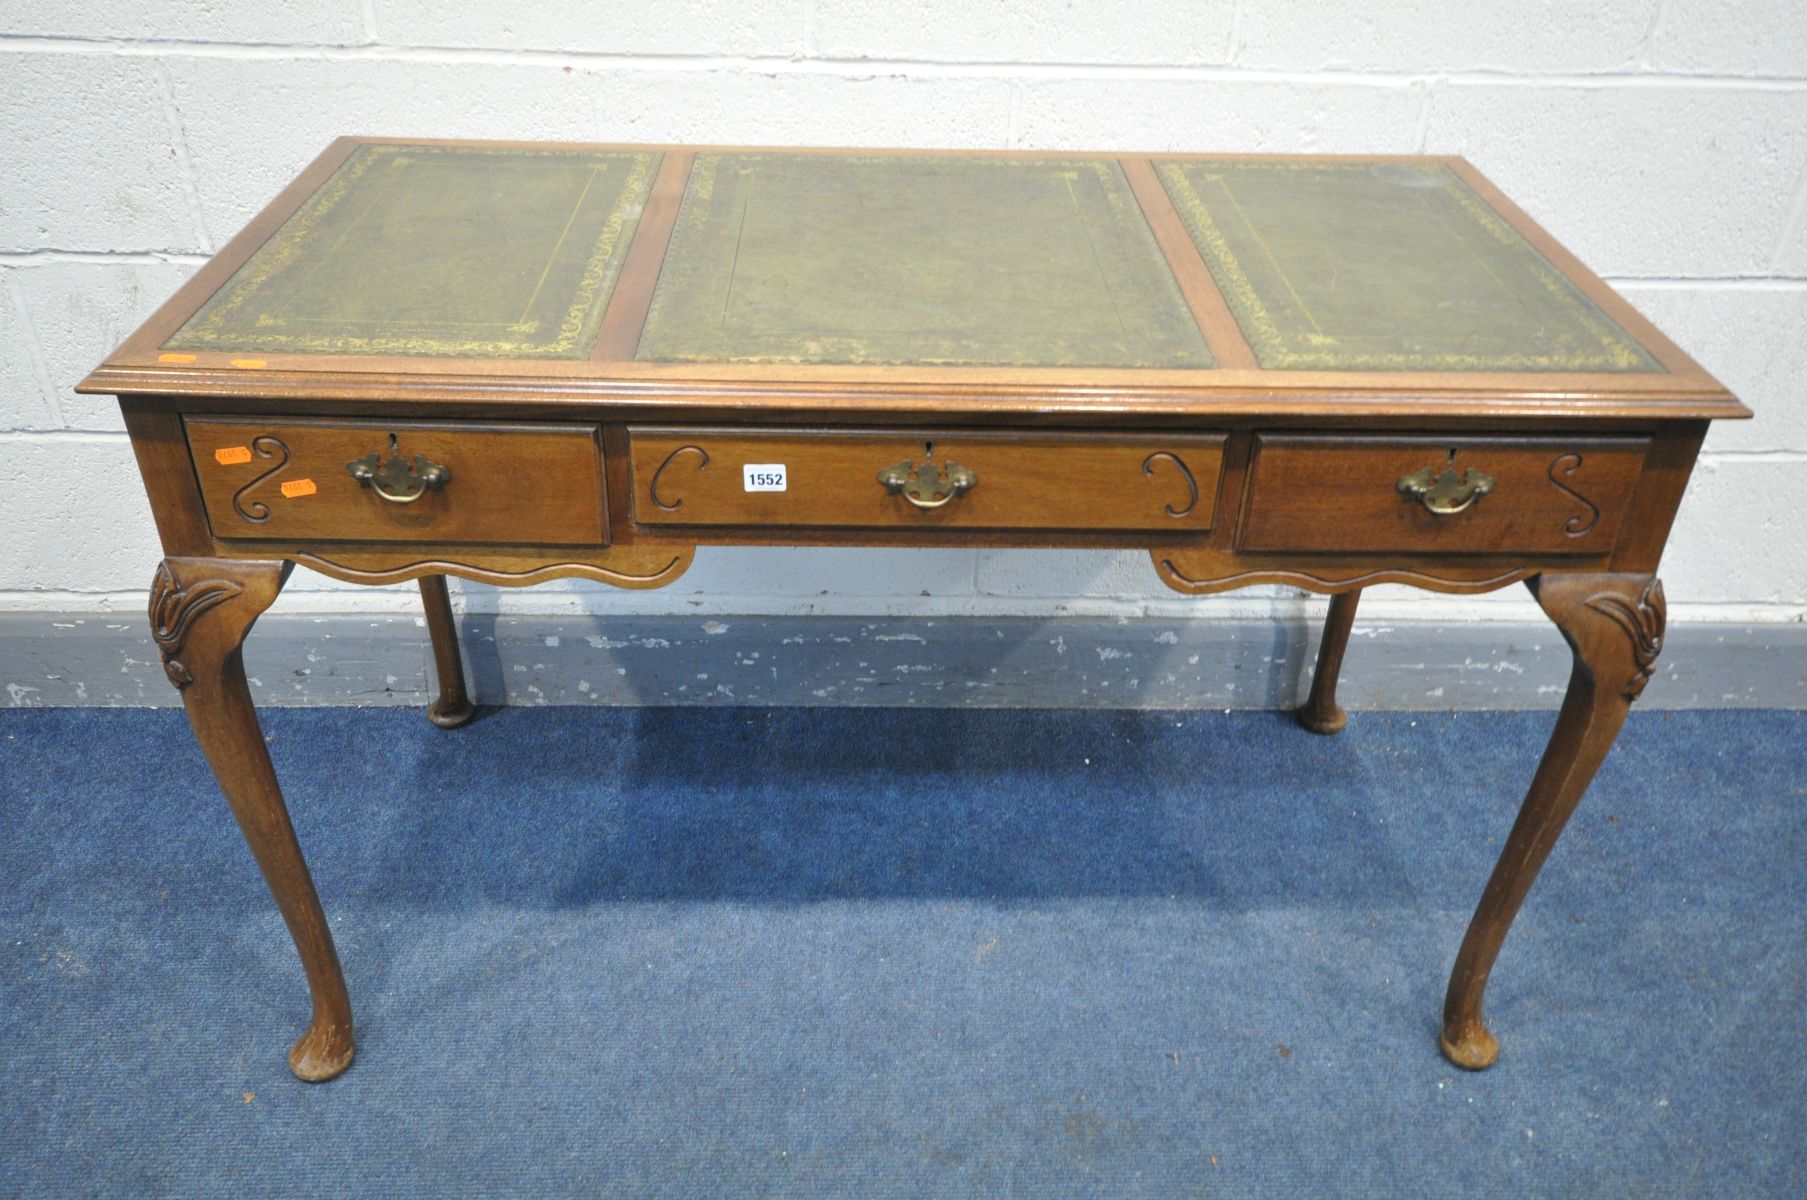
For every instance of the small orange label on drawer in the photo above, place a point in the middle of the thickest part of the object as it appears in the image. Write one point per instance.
(231, 456)
(296, 488)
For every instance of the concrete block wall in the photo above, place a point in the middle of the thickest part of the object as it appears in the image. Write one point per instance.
(1664, 140)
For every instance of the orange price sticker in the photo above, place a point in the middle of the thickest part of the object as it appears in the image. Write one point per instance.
(249, 362)
(231, 456)
(296, 488)
(176, 358)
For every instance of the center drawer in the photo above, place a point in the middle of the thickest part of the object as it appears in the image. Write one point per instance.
(908, 479)
(400, 481)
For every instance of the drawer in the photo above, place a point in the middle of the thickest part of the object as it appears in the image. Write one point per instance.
(741, 477)
(288, 480)
(1555, 495)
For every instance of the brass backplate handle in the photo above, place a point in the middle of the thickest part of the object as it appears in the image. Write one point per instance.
(928, 486)
(1447, 491)
(398, 480)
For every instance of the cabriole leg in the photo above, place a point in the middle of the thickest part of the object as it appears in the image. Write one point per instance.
(453, 706)
(1320, 713)
(1614, 625)
(201, 609)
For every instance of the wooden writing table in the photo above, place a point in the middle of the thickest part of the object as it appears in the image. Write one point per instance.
(515, 362)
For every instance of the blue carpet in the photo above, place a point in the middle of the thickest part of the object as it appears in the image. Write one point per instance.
(861, 952)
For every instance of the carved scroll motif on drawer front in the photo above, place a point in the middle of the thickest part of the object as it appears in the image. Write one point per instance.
(673, 505)
(1179, 464)
(1578, 525)
(264, 446)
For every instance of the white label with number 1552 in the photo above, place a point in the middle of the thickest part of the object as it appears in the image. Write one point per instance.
(763, 477)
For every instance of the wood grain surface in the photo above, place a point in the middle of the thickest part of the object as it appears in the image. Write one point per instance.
(509, 483)
(1340, 494)
(695, 477)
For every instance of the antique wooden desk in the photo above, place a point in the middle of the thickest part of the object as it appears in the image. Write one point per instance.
(513, 362)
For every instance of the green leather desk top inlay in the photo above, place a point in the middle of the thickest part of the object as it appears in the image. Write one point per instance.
(1385, 266)
(852, 258)
(456, 251)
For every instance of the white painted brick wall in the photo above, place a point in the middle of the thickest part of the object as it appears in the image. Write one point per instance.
(1191, 33)
(274, 22)
(1530, 36)
(1665, 140)
(1230, 113)
(78, 305)
(89, 159)
(1731, 37)
(763, 28)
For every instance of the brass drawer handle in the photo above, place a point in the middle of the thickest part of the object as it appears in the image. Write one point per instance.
(399, 481)
(929, 486)
(1448, 491)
